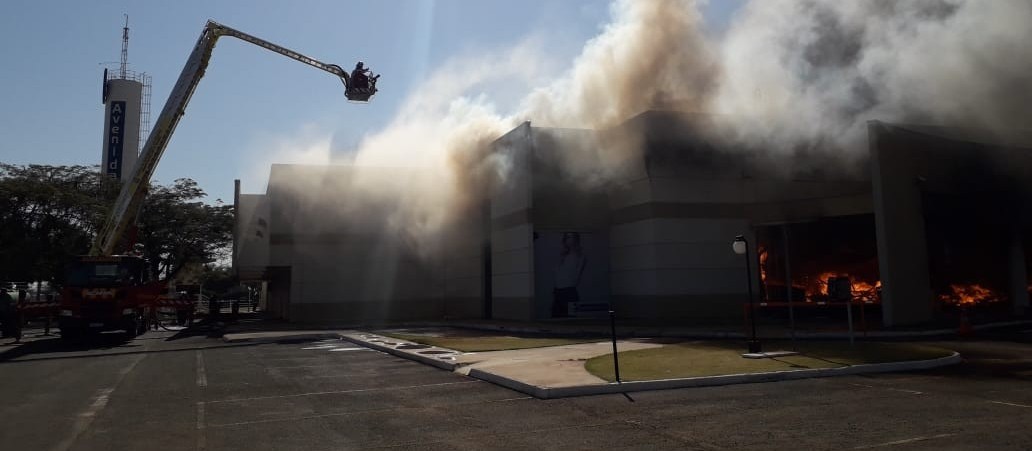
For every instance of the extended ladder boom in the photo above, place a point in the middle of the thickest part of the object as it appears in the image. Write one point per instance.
(133, 190)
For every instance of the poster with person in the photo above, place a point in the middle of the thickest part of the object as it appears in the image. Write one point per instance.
(571, 273)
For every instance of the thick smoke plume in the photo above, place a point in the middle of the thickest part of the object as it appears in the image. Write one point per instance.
(816, 71)
(786, 73)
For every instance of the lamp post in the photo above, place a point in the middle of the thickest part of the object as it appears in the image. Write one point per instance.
(741, 247)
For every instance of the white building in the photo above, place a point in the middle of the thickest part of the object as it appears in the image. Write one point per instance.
(652, 242)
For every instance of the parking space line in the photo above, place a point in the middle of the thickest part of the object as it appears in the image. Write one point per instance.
(521, 398)
(201, 438)
(336, 392)
(202, 374)
(200, 414)
(100, 400)
(912, 392)
(905, 441)
(1011, 404)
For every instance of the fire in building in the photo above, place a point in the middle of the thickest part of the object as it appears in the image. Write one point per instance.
(928, 220)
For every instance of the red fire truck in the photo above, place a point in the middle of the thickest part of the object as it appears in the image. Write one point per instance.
(106, 291)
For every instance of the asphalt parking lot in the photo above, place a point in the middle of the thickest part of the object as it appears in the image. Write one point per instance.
(167, 391)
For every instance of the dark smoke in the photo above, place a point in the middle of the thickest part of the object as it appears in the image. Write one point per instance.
(788, 74)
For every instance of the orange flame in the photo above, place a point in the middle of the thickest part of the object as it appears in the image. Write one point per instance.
(860, 289)
(762, 251)
(865, 291)
(822, 281)
(968, 295)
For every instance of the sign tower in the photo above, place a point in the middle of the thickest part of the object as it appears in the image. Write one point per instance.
(126, 98)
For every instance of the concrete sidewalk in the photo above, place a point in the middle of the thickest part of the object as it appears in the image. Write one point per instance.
(558, 371)
(554, 366)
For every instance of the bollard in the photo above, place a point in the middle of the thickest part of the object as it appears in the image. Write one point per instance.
(616, 360)
(965, 329)
(849, 318)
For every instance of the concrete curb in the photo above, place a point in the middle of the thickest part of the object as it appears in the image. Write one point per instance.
(709, 381)
(244, 337)
(444, 365)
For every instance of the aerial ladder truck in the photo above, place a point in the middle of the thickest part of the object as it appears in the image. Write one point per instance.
(108, 291)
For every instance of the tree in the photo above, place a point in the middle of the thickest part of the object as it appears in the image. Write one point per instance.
(175, 227)
(51, 214)
(48, 214)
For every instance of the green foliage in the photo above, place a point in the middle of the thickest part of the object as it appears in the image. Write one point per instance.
(219, 280)
(175, 227)
(713, 358)
(50, 214)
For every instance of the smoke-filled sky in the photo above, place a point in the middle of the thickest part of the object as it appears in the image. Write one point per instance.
(787, 73)
(254, 107)
(458, 74)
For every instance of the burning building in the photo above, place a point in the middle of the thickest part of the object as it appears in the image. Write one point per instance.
(930, 218)
(954, 209)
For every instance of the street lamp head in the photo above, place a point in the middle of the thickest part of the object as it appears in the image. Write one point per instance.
(739, 245)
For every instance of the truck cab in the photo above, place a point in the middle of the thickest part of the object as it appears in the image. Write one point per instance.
(107, 293)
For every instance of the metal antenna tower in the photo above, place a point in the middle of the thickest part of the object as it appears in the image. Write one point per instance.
(125, 47)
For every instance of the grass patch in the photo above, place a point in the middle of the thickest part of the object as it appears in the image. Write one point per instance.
(712, 359)
(479, 343)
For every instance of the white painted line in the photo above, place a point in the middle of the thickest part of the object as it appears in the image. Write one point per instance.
(202, 374)
(912, 392)
(200, 415)
(905, 441)
(512, 399)
(1011, 404)
(100, 400)
(201, 436)
(350, 349)
(337, 392)
(320, 347)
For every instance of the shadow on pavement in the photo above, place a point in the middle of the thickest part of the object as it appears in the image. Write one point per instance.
(208, 328)
(114, 343)
(11, 356)
(55, 345)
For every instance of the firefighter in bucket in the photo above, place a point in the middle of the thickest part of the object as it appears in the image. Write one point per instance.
(362, 84)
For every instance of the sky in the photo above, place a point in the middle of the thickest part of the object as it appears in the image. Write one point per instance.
(254, 107)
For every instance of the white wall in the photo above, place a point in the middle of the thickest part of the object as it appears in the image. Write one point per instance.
(512, 263)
